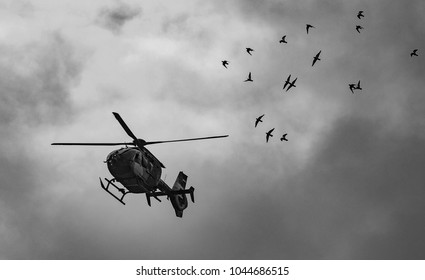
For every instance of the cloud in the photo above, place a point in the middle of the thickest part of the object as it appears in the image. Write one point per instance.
(359, 188)
(36, 81)
(114, 18)
(358, 198)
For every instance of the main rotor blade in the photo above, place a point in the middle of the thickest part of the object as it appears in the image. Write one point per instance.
(181, 140)
(92, 144)
(124, 125)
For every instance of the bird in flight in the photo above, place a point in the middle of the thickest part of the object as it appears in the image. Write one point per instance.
(291, 84)
(287, 82)
(284, 137)
(308, 26)
(225, 63)
(249, 78)
(316, 58)
(358, 86)
(249, 50)
(258, 120)
(360, 14)
(358, 27)
(413, 53)
(352, 87)
(269, 134)
(283, 40)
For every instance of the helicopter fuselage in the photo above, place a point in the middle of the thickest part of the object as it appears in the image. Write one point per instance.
(138, 170)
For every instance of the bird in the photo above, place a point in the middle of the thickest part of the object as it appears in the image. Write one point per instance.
(287, 82)
(258, 120)
(308, 26)
(360, 14)
(225, 63)
(283, 40)
(413, 53)
(358, 86)
(358, 27)
(284, 137)
(249, 78)
(269, 134)
(316, 58)
(352, 87)
(249, 50)
(292, 84)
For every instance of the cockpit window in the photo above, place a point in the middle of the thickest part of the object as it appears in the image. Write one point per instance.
(150, 166)
(144, 162)
(137, 158)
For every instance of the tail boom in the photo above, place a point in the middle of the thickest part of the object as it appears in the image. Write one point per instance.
(177, 194)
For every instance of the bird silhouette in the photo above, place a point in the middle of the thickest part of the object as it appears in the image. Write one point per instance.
(316, 58)
(259, 119)
(352, 87)
(308, 26)
(249, 78)
(414, 53)
(292, 84)
(358, 27)
(287, 82)
(358, 86)
(249, 50)
(284, 137)
(269, 134)
(360, 14)
(225, 63)
(283, 40)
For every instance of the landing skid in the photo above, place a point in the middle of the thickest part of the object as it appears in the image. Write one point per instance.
(110, 183)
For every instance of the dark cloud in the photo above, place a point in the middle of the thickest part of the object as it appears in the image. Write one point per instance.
(282, 14)
(114, 18)
(360, 197)
(360, 187)
(36, 81)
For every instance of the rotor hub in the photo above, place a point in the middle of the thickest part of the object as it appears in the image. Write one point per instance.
(139, 142)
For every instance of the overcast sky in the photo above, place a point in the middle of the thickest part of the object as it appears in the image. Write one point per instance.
(349, 183)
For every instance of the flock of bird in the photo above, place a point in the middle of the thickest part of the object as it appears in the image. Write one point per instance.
(290, 84)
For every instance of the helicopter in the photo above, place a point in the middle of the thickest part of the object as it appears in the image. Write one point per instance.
(139, 171)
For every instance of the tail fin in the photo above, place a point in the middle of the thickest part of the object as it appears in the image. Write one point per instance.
(180, 182)
(179, 200)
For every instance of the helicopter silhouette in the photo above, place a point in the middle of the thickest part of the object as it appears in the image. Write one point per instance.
(139, 171)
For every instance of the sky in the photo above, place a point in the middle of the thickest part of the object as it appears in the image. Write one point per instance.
(349, 183)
